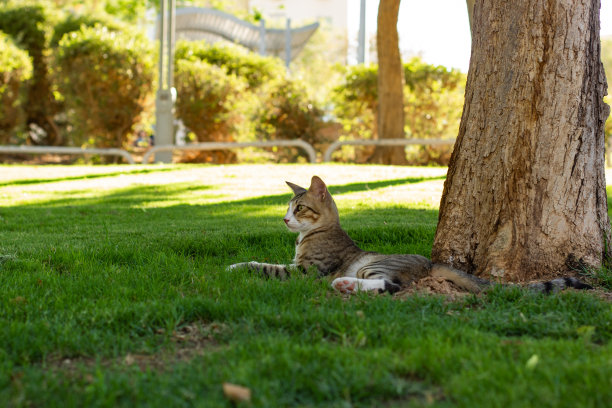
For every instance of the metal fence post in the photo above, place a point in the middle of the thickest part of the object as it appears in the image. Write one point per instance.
(288, 43)
(262, 37)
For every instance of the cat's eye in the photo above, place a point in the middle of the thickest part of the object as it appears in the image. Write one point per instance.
(299, 207)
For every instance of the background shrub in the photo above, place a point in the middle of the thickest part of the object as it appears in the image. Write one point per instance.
(15, 69)
(226, 93)
(74, 22)
(206, 102)
(433, 102)
(356, 101)
(107, 78)
(29, 24)
(287, 113)
(255, 69)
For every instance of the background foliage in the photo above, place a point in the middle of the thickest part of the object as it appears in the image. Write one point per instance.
(29, 24)
(206, 103)
(319, 100)
(328, 99)
(15, 70)
(224, 92)
(106, 77)
(287, 113)
(433, 100)
(606, 58)
(255, 69)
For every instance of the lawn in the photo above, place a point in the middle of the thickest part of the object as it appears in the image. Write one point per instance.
(114, 293)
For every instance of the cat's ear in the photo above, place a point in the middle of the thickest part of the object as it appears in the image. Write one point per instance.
(296, 189)
(318, 188)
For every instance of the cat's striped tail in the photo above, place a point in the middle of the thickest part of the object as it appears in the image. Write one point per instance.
(264, 269)
(475, 284)
(556, 285)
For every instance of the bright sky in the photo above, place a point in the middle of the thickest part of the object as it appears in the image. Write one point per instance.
(438, 30)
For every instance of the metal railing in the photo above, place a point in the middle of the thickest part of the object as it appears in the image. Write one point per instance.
(308, 149)
(383, 142)
(66, 150)
(312, 155)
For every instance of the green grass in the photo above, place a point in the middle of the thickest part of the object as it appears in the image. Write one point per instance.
(114, 293)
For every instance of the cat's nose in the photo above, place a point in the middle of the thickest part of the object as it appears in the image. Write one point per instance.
(286, 220)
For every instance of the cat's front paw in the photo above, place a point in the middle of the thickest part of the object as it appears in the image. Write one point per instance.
(352, 285)
(346, 285)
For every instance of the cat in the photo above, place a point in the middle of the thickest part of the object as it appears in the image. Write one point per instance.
(324, 245)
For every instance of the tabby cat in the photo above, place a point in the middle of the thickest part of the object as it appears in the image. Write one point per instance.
(323, 244)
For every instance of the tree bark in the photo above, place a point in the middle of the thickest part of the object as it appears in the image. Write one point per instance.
(41, 106)
(390, 85)
(525, 194)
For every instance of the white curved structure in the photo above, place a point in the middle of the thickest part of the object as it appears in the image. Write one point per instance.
(194, 23)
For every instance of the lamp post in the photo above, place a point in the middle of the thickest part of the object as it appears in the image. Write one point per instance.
(166, 94)
(361, 48)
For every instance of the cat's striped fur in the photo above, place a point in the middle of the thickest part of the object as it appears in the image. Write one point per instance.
(324, 245)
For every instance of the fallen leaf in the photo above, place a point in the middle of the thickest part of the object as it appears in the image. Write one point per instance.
(236, 393)
(532, 362)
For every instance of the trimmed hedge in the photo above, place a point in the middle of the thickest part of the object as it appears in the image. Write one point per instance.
(288, 113)
(74, 23)
(106, 78)
(225, 93)
(255, 69)
(29, 24)
(15, 69)
(206, 103)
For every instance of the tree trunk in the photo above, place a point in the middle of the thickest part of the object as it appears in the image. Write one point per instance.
(390, 85)
(525, 194)
(40, 107)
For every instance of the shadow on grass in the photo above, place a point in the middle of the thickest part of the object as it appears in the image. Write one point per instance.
(138, 195)
(122, 216)
(82, 177)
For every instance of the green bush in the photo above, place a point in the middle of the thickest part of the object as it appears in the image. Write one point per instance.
(287, 114)
(206, 102)
(106, 78)
(15, 69)
(433, 101)
(255, 69)
(356, 102)
(28, 23)
(73, 22)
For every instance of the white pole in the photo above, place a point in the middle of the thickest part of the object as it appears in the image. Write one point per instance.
(288, 43)
(171, 21)
(361, 49)
(162, 35)
(262, 37)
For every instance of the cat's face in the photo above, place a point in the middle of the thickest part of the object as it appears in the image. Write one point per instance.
(311, 208)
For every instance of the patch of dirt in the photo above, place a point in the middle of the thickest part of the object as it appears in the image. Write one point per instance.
(433, 285)
(602, 294)
(188, 342)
